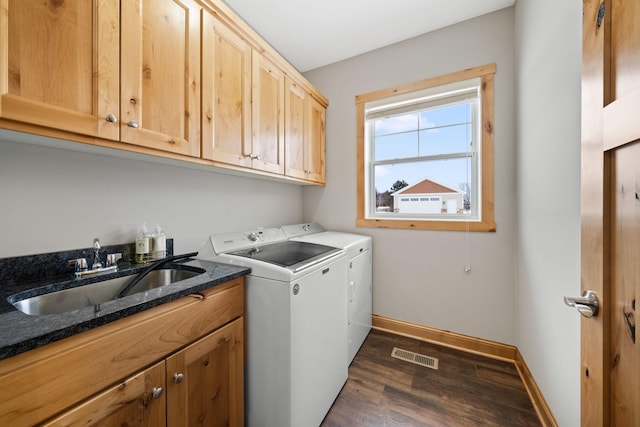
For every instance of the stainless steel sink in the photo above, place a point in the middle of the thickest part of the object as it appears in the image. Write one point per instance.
(100, 292)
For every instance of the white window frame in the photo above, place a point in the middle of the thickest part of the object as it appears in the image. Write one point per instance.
(433, 92)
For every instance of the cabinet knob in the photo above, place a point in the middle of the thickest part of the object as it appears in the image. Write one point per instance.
(156, 392)
(178, 378)
(133, 124)
(111, 118)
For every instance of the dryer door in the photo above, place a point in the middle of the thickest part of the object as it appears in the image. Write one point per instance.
(360, 299)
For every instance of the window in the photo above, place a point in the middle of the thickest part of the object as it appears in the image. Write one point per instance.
(425, 153)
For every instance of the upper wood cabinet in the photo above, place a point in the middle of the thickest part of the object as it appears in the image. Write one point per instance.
(243, 102)
(267, 142)
(173, 78)
(59, 64)
(316, 141)
(226, 94)
(305, 134)
(65, 70)
(295, 107)
(160, 87)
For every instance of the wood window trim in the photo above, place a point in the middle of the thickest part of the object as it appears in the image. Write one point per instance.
(487, 223)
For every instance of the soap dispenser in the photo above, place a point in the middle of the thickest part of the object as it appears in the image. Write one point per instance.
(159, 243)
(143, 246)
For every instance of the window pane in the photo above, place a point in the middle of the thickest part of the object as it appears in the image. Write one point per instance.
(452, 115)
(396, 146)
(445, 140)
(396, 124)
(445, 183)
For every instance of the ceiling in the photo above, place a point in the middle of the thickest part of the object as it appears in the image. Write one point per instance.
(313, 33)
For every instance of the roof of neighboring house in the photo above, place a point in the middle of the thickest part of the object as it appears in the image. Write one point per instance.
(427, 186)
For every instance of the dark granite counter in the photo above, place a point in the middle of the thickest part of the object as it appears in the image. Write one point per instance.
(20, 332)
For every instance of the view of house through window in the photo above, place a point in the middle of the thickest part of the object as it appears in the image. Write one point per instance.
(422, 151)
(423, 162)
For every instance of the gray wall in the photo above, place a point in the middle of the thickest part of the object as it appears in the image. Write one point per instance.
(55, 199)
(548, 47)
(419, 275)
(520, 273)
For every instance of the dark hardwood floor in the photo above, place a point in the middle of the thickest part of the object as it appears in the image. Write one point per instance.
(466, 390)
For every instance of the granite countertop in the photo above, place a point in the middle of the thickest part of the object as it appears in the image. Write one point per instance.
(20, 332)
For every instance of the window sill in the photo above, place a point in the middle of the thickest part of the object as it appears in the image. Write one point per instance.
(487, 226)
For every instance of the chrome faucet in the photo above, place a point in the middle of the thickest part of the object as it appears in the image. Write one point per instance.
(80, 264)
(96, 258)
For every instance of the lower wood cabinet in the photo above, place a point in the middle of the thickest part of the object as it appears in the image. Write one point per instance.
(205, 381)
(137, 401)
(199, 385)
(179, 364)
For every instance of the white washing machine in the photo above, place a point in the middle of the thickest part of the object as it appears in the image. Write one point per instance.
(359, 283)
(295, 324)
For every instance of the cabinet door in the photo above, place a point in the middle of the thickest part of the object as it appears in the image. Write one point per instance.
(295, 107)
(205, 380)
(59, 64)
(316, 141)
(267, 148)
(138, 401)
(160, 93)
(226, 95)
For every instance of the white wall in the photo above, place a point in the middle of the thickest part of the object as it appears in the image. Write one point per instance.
(419, 275)
(548, 47)
(55, 199)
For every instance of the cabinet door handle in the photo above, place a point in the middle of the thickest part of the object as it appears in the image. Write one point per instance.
(178, 378)
(133, 124)
(111, 118)
(156, 392)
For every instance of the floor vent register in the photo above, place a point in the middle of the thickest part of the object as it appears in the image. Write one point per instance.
(417, 358)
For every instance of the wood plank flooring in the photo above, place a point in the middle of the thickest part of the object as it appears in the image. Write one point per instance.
(466, 390)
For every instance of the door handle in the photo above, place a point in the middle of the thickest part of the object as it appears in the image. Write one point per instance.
(587, 304)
